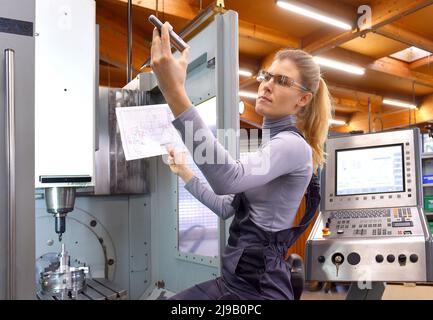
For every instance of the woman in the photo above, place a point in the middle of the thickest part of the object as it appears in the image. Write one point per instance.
(264, 205)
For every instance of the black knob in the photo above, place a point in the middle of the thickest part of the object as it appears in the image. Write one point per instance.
(353, 258)
(379, 258)
(327, 225)
(413, 258)
(321, 259)
(402, 259)
(390, 258)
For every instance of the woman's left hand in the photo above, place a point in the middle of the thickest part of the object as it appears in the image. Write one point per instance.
(170, 72)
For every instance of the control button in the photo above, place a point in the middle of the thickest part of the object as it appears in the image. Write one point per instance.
(413, 258)
(390, 258)
(326, 232)
(353, 258)
(402, 259)
(340, 231)
(321, 259)
(379, 258)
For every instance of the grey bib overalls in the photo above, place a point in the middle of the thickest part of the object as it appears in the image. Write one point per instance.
(253, 262)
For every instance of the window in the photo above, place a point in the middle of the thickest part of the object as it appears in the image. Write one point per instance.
(198, 226)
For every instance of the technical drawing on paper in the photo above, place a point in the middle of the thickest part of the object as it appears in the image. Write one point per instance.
(146, 130)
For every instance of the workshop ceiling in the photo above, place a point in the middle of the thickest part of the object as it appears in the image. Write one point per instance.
(265, 28)
(374, 45)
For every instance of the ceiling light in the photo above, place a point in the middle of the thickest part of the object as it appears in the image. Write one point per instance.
(241, 107)
(245, 73)
(337, 122)
(314, 14)
(398, 103)
(339, 65)
(247, 94)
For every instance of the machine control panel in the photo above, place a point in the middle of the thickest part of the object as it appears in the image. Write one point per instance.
(381, 244)
(371, 223)
(371, 226)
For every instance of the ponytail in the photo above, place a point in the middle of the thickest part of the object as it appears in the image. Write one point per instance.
(313, 121)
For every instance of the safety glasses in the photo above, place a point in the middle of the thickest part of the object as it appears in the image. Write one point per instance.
(279, 79)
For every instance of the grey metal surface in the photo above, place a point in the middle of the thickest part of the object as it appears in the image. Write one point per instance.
(368, 247)
(10, 164)
(96, 289)
(111, 234)
(23, 47)
(60, 199)
(143, 82)
(376, 227)
(227, 66)
(113, 174)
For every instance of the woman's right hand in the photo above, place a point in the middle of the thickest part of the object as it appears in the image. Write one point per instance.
(177, 164)
(170, 71)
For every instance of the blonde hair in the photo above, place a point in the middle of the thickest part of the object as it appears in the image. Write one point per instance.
(313, 119)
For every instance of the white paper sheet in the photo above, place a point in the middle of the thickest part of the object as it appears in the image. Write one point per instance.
(146, 130)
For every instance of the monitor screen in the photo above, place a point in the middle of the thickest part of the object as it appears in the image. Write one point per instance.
(369, 170)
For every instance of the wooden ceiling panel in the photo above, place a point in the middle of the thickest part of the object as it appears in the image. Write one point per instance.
(427, 69)
(376, 82)
(355, 3)
(255, 48)
(420, 21)
(374, 45)
(266, 12)
(118, 12)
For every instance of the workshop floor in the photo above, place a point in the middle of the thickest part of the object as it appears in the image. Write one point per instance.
(325, 291)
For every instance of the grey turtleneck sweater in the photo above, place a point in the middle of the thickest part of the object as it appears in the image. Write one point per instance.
(274, 178)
